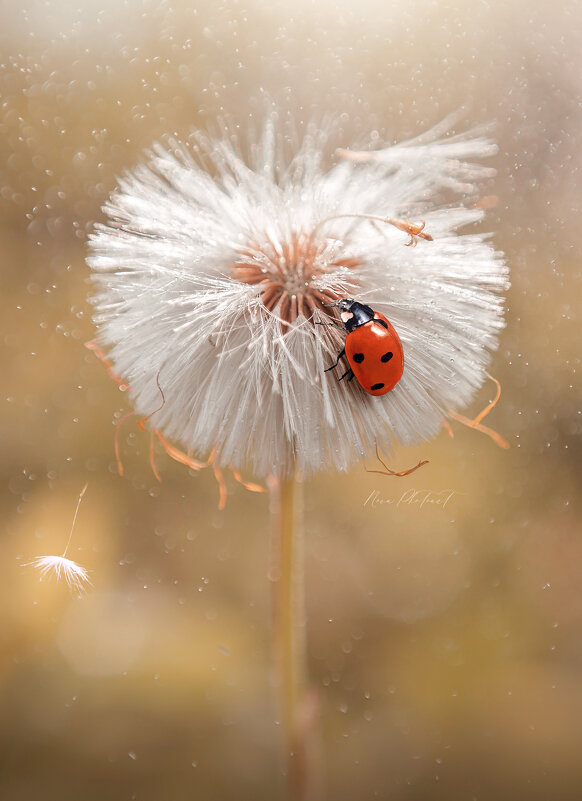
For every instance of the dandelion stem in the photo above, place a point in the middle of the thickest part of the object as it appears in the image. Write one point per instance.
(289, 634)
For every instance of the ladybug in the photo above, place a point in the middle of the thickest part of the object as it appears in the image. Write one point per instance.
(373, 348)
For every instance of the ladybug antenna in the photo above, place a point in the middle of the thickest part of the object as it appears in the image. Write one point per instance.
(335, 325)
(331, 306)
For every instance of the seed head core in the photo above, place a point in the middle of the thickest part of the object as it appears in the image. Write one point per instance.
(288, 271)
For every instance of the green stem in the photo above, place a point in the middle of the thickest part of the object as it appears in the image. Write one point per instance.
(289, 630)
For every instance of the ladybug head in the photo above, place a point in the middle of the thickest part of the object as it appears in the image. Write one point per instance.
(354, 314)
(345, 304)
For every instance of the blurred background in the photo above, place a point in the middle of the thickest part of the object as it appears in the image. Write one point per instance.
(445, 644)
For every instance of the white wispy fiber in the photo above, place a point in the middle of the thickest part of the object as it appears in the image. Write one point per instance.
(61, 567)
(213, 269)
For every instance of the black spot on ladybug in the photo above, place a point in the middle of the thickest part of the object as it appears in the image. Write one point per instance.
(381, 322)
(374, 387)
(386, 357)
(359, 357)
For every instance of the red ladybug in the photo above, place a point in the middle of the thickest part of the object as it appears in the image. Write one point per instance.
(373, 348)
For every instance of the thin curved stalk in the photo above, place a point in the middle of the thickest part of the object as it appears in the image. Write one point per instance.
(289, 632)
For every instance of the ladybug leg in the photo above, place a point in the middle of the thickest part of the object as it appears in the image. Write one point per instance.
(349, 373)
(343, 353)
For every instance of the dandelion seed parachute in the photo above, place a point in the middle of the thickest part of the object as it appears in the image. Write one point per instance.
(212, 270)
(61, 567)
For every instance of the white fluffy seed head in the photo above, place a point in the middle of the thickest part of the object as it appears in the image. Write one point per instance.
(213, 270)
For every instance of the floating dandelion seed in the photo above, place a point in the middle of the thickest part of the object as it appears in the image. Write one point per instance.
(213, 270)
(61, 567)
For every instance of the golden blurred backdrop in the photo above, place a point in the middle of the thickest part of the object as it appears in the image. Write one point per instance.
(445, 644)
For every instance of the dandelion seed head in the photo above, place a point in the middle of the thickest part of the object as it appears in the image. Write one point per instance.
(61, 567)
(213, 269)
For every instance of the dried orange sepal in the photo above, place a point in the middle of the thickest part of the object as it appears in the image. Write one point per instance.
(389, 472)
(476, 422)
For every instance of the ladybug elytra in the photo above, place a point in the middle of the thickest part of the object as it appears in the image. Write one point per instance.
(372, 348)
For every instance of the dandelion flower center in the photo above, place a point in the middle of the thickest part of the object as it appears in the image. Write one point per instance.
(288, 271)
